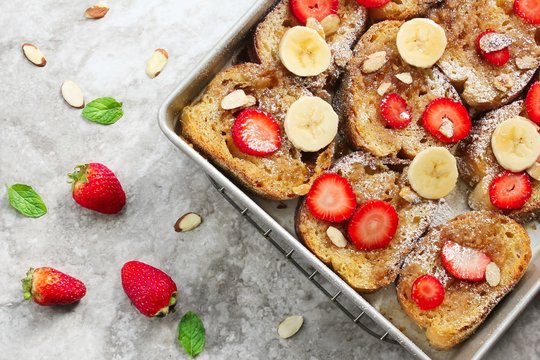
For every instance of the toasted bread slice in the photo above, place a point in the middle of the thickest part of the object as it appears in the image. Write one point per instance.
(208, 127)
(466, 304)
(358, 100)
(402, 10)
(478, 166)
(270, 31)
(481, 85)
(371, 178)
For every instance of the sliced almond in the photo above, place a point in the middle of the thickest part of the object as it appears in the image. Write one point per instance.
(34, 55)
(447, 128)
(405, 77)
(96, 11)
(495, 42)
(383, 88)
(331, 24)
(237, 99)
(301, 189)
(408, 194)
(156, 63)
(187, 222)
(336, 236)
(526, 63)
(290, 326)
(374, 62)
(493, 274)
(73, 94)
(534, 170)
(314, 24)
(503, 82)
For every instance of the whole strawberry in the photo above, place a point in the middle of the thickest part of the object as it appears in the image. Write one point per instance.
(151, 290)
(95, 187)
(48, 286)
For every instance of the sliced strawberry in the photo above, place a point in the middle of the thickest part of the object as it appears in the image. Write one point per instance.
(331, 198)
(532, 103)
(464, 263)
(395, 111)
(510, 190)
(373, 225)
(447, 119)
(318, 9)
(372, 3)
(529, 10)
(257, 133)
(498, 57)
(427, 292)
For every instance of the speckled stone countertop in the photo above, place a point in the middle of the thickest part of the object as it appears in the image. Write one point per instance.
(226, 272)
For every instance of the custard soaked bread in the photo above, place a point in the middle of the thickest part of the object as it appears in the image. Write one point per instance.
(458, 273)
(375, 71)
(272, 168)
(487, 81)
(366, 264)
(402, 9)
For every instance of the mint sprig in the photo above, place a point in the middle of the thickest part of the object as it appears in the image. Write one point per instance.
(26, 200)
(105, 111)
(191, 334)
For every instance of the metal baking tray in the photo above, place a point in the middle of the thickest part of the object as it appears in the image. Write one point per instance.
(379, 314)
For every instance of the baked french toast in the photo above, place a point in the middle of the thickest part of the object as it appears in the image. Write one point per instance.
(486, 83)
(370, 178)
(481, 237)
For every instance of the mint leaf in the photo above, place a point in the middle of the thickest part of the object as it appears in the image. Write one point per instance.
(105, 111)
(191, 334)
(25, 200)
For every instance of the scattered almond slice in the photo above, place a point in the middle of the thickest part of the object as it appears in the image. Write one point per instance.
(336, 236)
(72, 94)
(237, 99)
(290, 326)
(534, 170)
(301, 189)
(188, 222)
(374, 62)
(447, 128)
(503, 82)
(156, 63)
(493, 274)
(526, 63)
(314, 24)
(405, 77)
(408, 194)
(383, 88)
(96, 11)
(495, 42)
(331, 24)
(34, 55)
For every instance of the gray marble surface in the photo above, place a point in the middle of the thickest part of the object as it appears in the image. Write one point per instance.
(225, 271)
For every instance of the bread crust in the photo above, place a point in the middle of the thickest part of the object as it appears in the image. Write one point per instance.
(402, 10)
(371, 178)
(501, 238)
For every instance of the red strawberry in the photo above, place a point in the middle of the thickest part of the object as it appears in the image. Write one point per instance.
(395, 111)
(532, 103)
(152, 291)
(498, 57)
(510, 190)
(372, 3)
(48, 286)
(427, 292)
(529, 10)
(257, 133)
(318, 9)
(95, 187)
(331, 198)
(464, 263)
(447, 119)
(373, 225)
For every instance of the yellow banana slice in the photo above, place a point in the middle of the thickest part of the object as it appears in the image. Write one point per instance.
(311, 123)
(516, 144)
(304, 52)
(433, 173)
(421, 42)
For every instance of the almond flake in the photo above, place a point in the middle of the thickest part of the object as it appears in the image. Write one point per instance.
(405, 77)
(331, 24)
(447, 128)
(156, 63)
(503, 82)
(336, 236)
(314, 24)
(495, 42)
(408, 194)
(301, 189)
(374, 62)
(187, 222)
(73, 94)
(34, 55)
(493, 274)
(237, 99)
(526, 63)
(290, 326)
(383, 88)
(96, 11)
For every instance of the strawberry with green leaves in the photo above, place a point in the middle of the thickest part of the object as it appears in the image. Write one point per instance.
(48, 286)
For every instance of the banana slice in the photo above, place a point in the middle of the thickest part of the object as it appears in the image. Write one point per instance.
(516, 144)
(433, 173)
(311, 123)
(303, 52)
(421, 42)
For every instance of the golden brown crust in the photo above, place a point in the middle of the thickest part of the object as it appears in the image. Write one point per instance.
(501, 238)
(402, 10)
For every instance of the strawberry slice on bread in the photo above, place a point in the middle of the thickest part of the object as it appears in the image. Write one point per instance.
(447, 119)
(372, 3)
(464, 263)
(532, 102)
(331, 198)
(395, 111)
(510, 190)
(427, 292)
(373, 225)
(256, 133)
(529, 10)
(317, 9)
(497, 57)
